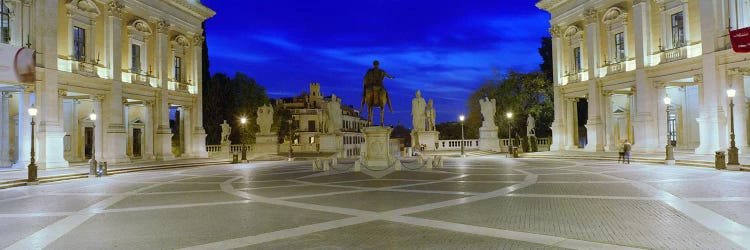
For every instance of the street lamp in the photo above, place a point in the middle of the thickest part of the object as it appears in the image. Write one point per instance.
(733, 150)
(510, 139)
(669, 150)
(243, 120)
(92, 161)
(32, 164)
(461, 118)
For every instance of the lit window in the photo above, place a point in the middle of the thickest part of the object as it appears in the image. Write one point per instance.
(135, 58)
(4, 23)
(79, 43)
(577, 59)
(678, 30)
(177, 69)
(620, 47)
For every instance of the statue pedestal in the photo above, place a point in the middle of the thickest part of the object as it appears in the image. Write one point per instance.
(331, 143)
(265, 144)
(488, 139)
(226, 147)
(376, 151)
(428, 138)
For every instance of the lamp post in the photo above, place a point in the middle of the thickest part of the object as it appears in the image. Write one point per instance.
(243, 150)
(461, 118)
(669, 150)
(92, 161)
(32, 164)
(733, 150)
(289, 157)
(510, 139)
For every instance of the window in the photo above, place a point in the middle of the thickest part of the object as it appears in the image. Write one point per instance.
(577, 59)
(135, 57)
(619, 47)
(678, 30)
(177, 69)
(79, 43)
(311, 126)
(4, 23)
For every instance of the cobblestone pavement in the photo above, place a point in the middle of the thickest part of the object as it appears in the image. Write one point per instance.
(487, 202)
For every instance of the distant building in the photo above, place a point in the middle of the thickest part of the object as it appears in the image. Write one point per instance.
(128, 61)
(625, 57)
(312, 117)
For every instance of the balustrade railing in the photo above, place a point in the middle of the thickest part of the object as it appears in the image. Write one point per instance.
(614, 68)
(456, 144)
(674, 54)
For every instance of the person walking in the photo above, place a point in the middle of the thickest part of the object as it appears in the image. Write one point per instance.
(627, 148)
(621, 158)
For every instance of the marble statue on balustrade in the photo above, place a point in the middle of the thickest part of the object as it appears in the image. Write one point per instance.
(430, 115)
(488, 112)
(418, 106)
(488, 134)
(530, 126)
(265, 119)
(226, 130)
(335, 121)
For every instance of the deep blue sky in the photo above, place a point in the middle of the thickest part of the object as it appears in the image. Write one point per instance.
(445, 48)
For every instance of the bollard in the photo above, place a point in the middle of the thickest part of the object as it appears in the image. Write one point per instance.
(515, 152)
(720, 160)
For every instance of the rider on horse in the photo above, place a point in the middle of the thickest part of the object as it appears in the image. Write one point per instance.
(373, 86)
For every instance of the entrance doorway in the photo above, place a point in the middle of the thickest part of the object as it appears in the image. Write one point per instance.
(89, 138)
(137, 142)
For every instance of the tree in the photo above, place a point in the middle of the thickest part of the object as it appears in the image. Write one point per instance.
(451, 130)
(230, 99)
(545, 51)
(403, 133)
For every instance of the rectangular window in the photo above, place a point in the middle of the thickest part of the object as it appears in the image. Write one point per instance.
(4, 23)
(311, 126)
(678, 30)
(620, 47)
(79, 43)
(135, 58)
(577, 59)
(177, 69)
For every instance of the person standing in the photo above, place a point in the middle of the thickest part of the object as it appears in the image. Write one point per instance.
(627, 148)
(621, 157)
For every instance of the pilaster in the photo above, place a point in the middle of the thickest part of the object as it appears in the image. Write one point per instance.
(113, 40)
(4, 135)
(163, 137)
(148, 142)
(98, 127)
(737, 79)
(24, 128)
(558, 124)
(198, 132)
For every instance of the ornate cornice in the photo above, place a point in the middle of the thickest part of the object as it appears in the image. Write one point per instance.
(198, 40)
(194, 7)
(548, 5)
(555, 31)
(140, 26)
(591, 15)
(115, 9)
(162, 26)
(83, 7)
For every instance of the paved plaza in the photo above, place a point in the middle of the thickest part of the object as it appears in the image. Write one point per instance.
(488, 202)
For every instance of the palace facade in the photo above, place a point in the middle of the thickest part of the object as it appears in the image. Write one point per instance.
(624, 57)
(131, 62)
(311, 113)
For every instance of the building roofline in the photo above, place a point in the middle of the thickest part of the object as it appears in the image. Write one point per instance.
(548, 5)
(194, 7)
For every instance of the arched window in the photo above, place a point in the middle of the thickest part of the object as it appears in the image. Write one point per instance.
(4, 22)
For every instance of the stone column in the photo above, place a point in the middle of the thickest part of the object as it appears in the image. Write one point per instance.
(115, 136)
(740, 110)
(163, 138)
(644, 121)
(98, 134)
(74, 140)
(609, 122)
(4, 135)
(572, 124)
(113, 41)
(187, 138)
(198, 132)
(61, 93)
(711, 114)
(126, 124)
(661, 111)
(558, 124)
(24, 128)
(148, 121)
(50, 133)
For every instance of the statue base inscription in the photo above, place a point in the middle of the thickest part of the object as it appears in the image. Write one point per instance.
(329, 143)
(488, 139)
(428, 138)
(266, 144)
(376, 153)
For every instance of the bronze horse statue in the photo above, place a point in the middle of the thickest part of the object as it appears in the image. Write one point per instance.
(374, 94)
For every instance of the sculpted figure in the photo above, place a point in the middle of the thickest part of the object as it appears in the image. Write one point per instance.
(335, 122)
(530, 126)
(225, 131)
(374, 93)
(265, 119)
(488, 111)
(430, 116)
(418, 112)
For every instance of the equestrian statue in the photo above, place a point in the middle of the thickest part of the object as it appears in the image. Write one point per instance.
(374, 93)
